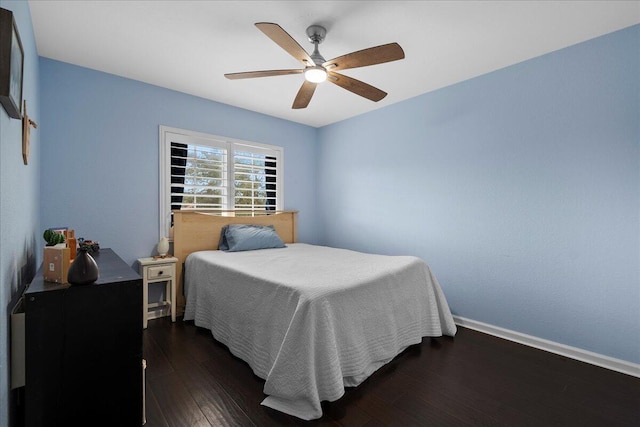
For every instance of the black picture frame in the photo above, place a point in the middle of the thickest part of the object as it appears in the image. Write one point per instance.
(11, 65)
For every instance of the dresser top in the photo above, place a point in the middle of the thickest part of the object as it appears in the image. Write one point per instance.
(112, 269)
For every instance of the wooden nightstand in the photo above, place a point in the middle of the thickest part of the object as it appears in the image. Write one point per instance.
(155, 270)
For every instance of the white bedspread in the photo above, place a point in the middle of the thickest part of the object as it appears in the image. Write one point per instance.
(312, 320)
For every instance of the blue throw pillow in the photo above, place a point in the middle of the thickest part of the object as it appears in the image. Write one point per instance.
(247, 237)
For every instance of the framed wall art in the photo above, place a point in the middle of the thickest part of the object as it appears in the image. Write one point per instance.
(11, 65)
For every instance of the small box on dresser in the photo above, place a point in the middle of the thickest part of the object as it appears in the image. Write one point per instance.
(56, 264)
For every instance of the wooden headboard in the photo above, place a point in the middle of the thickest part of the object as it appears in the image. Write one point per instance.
(200, 230)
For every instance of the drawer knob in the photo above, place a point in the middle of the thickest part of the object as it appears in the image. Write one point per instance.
(160, 272)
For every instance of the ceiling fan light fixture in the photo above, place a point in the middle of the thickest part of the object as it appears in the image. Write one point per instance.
(315, 74)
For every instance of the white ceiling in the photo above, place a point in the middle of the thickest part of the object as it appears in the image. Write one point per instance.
(189, 45)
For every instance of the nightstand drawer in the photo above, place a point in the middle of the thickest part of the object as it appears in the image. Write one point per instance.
(160, 271)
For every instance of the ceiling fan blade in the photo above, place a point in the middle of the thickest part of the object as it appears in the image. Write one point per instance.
(356, 86)
(304, 95)
(362, 58)
(268, 73)
(285, 41)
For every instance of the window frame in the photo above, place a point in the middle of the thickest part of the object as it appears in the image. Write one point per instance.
(167, 135)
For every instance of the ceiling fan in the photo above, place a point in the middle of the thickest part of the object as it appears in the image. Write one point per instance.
(317, 69)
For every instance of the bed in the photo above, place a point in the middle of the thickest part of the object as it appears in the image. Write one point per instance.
(310, 320)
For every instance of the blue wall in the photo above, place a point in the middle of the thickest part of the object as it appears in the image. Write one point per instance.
(520, 188)
(100, 154)
(20, 245)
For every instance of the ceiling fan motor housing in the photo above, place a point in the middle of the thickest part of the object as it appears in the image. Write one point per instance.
(316, 35)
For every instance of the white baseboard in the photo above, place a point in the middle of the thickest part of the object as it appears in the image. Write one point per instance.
(603, 361)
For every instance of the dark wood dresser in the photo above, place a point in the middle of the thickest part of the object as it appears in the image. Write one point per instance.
(83, 347)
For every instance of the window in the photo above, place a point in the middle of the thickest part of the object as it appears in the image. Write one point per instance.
(208, 172)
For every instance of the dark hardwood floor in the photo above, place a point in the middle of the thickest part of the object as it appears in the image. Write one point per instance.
(470, 380)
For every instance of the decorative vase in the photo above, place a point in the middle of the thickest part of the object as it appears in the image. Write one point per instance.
(163, 246)
(83, 270)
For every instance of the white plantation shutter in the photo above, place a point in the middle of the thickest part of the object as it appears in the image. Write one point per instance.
(208, 172)
(255, 178)
(204, 177)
